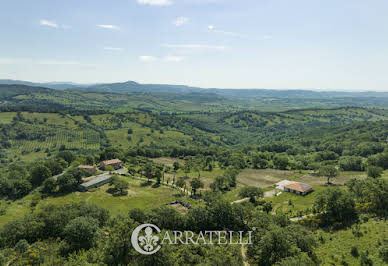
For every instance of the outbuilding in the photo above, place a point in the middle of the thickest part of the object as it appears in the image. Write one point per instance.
(89, 168)
(97, 181)
(115, 163)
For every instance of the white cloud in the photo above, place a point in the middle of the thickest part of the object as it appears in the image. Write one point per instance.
(109, 27)
(267, 37)
(52, 24)
(155, 2)
(194, 46)
(181, 21)
(172, 58)
(230, 33)
(115, 49)
(47, 23)
(147, 58)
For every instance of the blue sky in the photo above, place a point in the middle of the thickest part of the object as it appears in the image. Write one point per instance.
(318, 44)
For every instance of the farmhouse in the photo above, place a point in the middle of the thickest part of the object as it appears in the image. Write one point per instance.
(280, 185)
(115, 163)
(98, 181)
(294, 187)
(298, 188)
(90, 168)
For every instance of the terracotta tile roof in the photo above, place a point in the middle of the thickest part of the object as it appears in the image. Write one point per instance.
(298, 187)
(113, 161)
(86, 166)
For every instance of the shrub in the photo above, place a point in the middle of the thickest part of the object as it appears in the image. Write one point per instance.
(354, 251)
(383, 252)
(365, 260)
(22, 246)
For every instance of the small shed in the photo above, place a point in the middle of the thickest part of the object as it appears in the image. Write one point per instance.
(115, 163)
(89, 168)
(98, 181)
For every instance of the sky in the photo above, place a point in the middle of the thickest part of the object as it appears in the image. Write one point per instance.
(273, 44)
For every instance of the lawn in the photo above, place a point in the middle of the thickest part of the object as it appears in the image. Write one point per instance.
(281, 203)
(139, 196)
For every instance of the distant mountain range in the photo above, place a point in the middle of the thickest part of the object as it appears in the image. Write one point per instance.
(132, 86)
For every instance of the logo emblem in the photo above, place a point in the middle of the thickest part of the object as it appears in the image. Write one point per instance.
(146, 243)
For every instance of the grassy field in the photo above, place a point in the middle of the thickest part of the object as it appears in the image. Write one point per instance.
(336, 247)
(206, 177)
(262, 177)
(167, 161)
(139, 196)
(339, 180)
(291, 204)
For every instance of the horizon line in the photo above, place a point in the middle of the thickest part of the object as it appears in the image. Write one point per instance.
(191, 86)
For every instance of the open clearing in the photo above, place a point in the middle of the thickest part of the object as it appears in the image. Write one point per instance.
(139, 196)
(339, 180)
(206, 177)
(167, 161)
(262, 177)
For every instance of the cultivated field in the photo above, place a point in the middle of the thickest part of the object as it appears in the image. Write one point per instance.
(262, 177)
(339, 180)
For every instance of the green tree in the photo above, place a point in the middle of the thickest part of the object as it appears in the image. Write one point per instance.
(180, 183)
(109, 168)
(19, 188)
(274, 245)
(81, 233)
(374, 171)
(219, 184)
(328, 171)
(118, 248)
(267, 206)
(49, 186)
(176, 166)
(383, 252)
(251, 192)
(195, 184)
(158, 175)
(148, 170)
(68, 156)
(281, 161)
(120, 186)
(39, 174)
(54, 166)
(22, 246)
(67, 183)
(335, 205)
